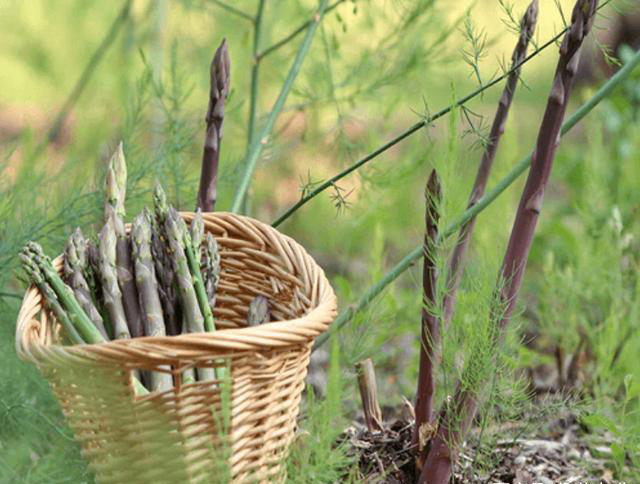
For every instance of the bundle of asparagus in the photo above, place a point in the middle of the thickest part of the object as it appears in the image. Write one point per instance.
(160, 279)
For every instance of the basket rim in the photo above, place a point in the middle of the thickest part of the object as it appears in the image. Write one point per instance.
(32, 345)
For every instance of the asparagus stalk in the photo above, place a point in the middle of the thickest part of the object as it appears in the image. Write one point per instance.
(219, 90)
(163, 266)
(148, 290)
(92, 270)
(51, 300)
(116, 182)
(258, 311)
(177, 233)
(83, 324)
(211, 268)
(437, 469)
(80, 327)
(430, 327)
(197, 234)
(111, 293)
(75, 265)
(192, 253)
(146, 275)
(116, 187)
(92, 275)
(456, 262)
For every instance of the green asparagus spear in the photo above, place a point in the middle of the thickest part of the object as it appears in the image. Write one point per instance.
(146, 275)
(50, 299)
(164, 275)
(75, 264)
(71, 312)
(111, 293)
(176, 233)
(210, 268)
(148, 290)
(197, 234)
(92, 275)
(258, 311)
(116, 182)
(194, 267)
(78, 317)
(160, 204)
(189, 282)
(116, 188)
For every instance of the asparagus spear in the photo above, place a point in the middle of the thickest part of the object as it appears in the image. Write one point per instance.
(258, 311)
(109, 277)
(220, 70)
(430, 322)
(148, 290)
(176, 233)
(456, 416)
(50, 299)
(456, 262)
(197, 234)
(194, 267)
(92, 275)
(80, 327)
(75, 264)
(162, 260)
(116, 182)
(116, 186)
(77, 316)
(194, 320)
(211, 268)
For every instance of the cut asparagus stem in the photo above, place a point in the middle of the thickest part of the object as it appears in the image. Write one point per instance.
(369, 394)
(162, 260)
(456, 417)
(148, 290)
(456, 262)
(75, 265)
(109, 277)
(219, 90)
(258, 312)
(116, 188)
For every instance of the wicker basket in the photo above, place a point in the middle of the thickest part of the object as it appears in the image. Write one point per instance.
(234, 430)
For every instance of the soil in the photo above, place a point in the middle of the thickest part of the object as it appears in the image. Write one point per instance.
(553, 452)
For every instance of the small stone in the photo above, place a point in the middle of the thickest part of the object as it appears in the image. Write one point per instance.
(520, 460)
(573, 454)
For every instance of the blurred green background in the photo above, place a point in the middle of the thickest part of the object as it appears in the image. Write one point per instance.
(375, 68)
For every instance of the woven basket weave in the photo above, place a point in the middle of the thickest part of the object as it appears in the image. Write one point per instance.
(234, 430)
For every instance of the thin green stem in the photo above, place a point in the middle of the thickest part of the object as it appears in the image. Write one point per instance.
(416, 127)
(198, 284)
(10, 294)
(258, 143)
(346, 315)
(233, 10)
(253, 101)
(288, 38)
